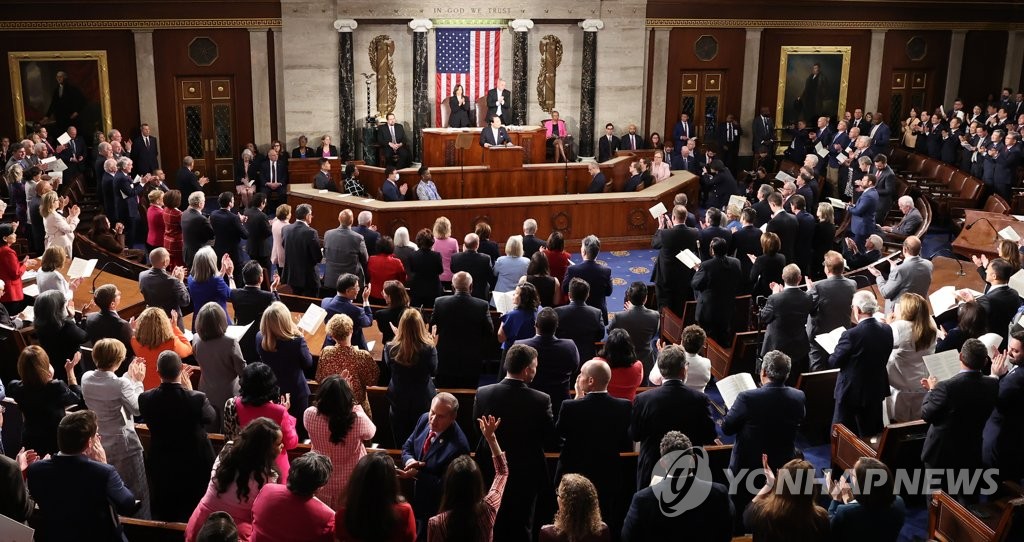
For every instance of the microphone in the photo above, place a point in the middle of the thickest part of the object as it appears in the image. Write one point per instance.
(103, 267)
(971, 225)
(959, 262)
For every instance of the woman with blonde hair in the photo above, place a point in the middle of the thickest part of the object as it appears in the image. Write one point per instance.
(445, 245)
(786, 511)
(512, 266)
(60, 231)
(342, 356)
(152, 334)
(50, 276)
(914, 335)
(412, 359)
(579, 517)
(115, 399)
(1007, 250)
(281, 345)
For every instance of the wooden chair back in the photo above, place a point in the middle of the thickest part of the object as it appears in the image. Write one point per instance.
(819, 388)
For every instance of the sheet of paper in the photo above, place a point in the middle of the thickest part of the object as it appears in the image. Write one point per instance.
(252, 182)
(830, 340)
(943, 365)
(343, 195)
(1016, 282)
(942, 299)
(321, 191)
(1010, 234)
(30, 312)
(658, 210)
(821, 150)
(370, 345)
(503, 301)
(48, 159)
(369, 200)
(764, 227)
(188, 335)
(785, 177)
(1020, 218)
(137, 179)
(738, 201)
(837, 203)
(237, 332)
(312, 319)
(29, 276)
(12, 531)
(58, 166)
(31, 290)
(688, 258)
(81, 268)
(731, 386)
(64, 138)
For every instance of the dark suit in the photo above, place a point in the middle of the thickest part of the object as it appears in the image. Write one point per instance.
(673, 277)
(487, 137)
(581, 324)
(764, 133)
(74, 148)
(708, 234)
(323, 181)
(717, 282)
(531, 244)
(720, 187)
(669, 407)
(1005, 174)
(492, 105)
(249, 304)
(445, 447)
(257, 243)
(597, 184)
(526, 427)
(786, 226)
(187, 182)
(804, 247)
(159, 289)
(229, 233)
(331, 150)
(389, 192)
(403, 156)
(862, 381)
(180, 456)
(747, 241)
(765, 421)
(126, 194)
(599, 277)
(16, 504)
(279, 173)
(642, 324)
(144, 157)
(302, 252)
(885, 186)
(196, 232)
(764, 212)
(557, 362)
(370, 237)
(75, 495)
(710, 521)
(1000, 305)
(832, 298)
(785, 315)
(479, 267)
(607, 149)
(105, 324)
(1003, 438)
(633, 183)
(632, 142)
(880, 138)
(465, 334)
(424, 282)
(957, 410)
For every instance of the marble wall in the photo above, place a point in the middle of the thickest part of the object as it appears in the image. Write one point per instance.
(310, 42)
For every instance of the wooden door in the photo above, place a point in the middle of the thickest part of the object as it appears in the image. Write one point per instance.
(910, 90)
(206, 126)
(702, 95)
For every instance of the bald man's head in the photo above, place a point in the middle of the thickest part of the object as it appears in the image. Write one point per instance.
(595, 375)
(462, 281)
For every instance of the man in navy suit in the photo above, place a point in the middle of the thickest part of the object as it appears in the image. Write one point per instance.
(494, 135)
(435, 442)
(464, 332)
(527, 428)
(476, 264)
(717, 280)
(557, 359)
(390, 191)
(805, 225)
(713, 228)
(368, 230)
(578, 321)
(672, 281)
(880, 134)
(598, 276)
(228, 233)
(1006, 159)
(391, 138)
(76, 489)
(273, 176)
(862, 381)
(669, 407)
(783, 224)
(836, 147)
(145, 152)
(499, 100)
(862, 222)
(608, 145)
(73, 152)
(303, 253)
(126, 193)
(595, 429)
(187, 181)
(1003, 437)
(785, 315)
(107, 190)
(597, 179)
(532, 243)
(631, 140)
(348, 291)
(747, 242)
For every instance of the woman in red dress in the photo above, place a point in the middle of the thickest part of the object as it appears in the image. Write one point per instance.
(173, 241)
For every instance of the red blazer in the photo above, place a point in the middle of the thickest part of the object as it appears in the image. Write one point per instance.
(382, 268)
(547, 128)
(155, 221)
(10, 272)
(308, 520)
(405, 525)
(173, 240)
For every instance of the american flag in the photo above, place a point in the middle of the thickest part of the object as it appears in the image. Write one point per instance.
(467, 57)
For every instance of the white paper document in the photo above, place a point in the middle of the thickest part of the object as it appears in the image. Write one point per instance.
(321, 191)
(1010, 234)
(688, 258)
(30, 313)
(821, 150)
(64, 138)
(830, 340)
(1016, 282)
(188, 335)
(58, 166)
(137, 179)
(731, 386)
(81, 268)
(312, 319)
(28, 276)
(31, 290)
(658, 210)
(738, 201)
(12, 531)
(945, 298)
(837, 203)
(503, 301)
(764, 227)
(236, 332)
(785, 177)
(943, 365)
(48, 159)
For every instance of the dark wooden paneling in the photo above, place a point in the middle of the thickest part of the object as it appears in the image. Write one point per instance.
(771, 46)
(895, 58)
(982, 72)
(120, 48)
(170, 52)
(731, 44)
(134, 9)
(838, 10)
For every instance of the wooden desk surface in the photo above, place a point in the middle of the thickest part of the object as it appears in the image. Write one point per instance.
(981, 231)
(130, 293)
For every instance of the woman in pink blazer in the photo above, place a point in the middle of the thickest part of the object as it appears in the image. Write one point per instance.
(555, 132)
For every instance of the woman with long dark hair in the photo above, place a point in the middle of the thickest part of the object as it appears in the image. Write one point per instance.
(466, 513)
(259, 397)
(337, 428)
(868, 509)
(412, 359)
(58, 332)
(519, 322)
(786, 512)
(374, 510)
(627, 370)
(244, 466)
(538, 273)
(971, 323)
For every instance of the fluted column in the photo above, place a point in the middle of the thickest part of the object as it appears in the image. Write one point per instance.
(520, 68)
(346, 87)
(588, 86)
(420, 99)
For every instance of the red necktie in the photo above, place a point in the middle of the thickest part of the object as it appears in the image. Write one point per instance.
(426, 444)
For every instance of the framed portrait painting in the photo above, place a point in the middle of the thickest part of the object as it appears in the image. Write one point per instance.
(57, 89)
(813, 81)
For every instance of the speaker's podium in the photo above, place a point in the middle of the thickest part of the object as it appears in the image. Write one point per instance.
(503, 158)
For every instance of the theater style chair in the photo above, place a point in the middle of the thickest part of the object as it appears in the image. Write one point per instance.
(567, 145)
(997, 520)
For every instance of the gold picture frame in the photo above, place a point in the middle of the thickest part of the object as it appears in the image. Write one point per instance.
(33, 87)
(795, 69)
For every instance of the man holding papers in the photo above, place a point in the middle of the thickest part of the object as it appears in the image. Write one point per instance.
(717, 279)
(832, 298)
(862, 381)
(1003, 439)
(785, 315)
(862, 213)
(910, 222)
(957, 409)
(914, 275)
(1000, 301)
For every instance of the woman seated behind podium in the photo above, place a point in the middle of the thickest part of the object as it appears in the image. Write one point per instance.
(326, 150)
(556, 132)
(303, 150)
(459, 107)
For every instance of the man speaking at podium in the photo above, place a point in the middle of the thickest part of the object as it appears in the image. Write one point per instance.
(494, 135)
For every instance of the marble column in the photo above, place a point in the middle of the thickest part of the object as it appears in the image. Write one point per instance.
(260, 86)
(420, 100)
(956, 64)
(588, 86)
(279, 84)
(749, 108)
(147, 84)
(1014, 59)
(874, 71)
(658, 69)
(520, 68)
(346, 87)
